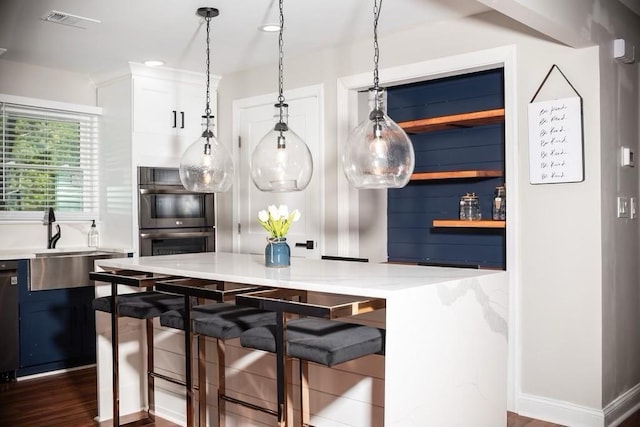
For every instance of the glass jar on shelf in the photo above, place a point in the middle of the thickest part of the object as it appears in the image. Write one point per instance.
(470, 207)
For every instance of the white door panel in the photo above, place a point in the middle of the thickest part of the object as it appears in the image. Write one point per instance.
(255, 120)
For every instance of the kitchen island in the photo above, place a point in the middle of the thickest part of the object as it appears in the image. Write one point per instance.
(446, 345)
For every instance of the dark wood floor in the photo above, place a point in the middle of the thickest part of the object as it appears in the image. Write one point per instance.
(69, 400)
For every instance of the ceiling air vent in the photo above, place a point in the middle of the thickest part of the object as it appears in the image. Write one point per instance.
(69, 19)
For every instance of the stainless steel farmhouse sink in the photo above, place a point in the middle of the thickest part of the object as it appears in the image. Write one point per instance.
(58, 269)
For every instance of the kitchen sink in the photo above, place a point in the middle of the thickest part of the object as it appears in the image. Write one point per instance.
(53, 253)
(60, 269)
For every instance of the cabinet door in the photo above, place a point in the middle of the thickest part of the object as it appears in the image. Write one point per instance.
(57, 330)
(155, 106)
(46, 333)
(168, 107)
(192, 103)
(167, 119)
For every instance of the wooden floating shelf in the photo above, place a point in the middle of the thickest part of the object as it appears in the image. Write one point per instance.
(475, 118)
(458, 223)
(424, 176)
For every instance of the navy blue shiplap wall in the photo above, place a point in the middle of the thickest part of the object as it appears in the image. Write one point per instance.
(412, 209)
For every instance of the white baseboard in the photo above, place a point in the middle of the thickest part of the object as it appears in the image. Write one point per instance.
(174, 417)
(623, 406)
(559, 412)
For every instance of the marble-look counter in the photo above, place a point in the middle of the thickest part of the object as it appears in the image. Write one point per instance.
(446, 345)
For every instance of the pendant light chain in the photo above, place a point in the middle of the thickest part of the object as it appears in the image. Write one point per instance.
(376, 51)
(208, 107)
(280, 61)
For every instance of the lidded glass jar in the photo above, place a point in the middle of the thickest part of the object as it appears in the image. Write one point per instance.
(470, 207)
(499, 208)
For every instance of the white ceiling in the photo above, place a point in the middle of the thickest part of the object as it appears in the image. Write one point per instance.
(170, 30)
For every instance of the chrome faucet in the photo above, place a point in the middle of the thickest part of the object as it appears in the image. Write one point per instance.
(49, 219)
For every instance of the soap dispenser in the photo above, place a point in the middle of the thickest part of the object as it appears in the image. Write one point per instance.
(94, 237)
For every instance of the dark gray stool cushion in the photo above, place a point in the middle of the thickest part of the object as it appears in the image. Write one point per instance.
(327, 342)
(141, 305)
(223, 320)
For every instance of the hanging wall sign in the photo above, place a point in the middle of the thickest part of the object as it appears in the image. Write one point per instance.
(556, 151)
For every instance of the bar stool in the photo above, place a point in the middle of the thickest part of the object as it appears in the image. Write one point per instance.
(222, 321)
(146, 306)
(318, 339)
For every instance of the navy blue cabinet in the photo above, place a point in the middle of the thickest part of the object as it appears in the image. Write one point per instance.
(456, 125)
(57, 327)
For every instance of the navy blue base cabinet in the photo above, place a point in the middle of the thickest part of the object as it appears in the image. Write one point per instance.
(456, 125)
(57, 327)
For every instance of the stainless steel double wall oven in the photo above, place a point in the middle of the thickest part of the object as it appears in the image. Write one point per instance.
(173, 220)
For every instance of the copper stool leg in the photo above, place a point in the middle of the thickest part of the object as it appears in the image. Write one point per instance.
(115, 355)
(150, 368)
(304, 392)
(221, 382)
(202, 381)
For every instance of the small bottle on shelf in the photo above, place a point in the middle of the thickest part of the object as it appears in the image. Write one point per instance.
(499, 208)
(93, 237)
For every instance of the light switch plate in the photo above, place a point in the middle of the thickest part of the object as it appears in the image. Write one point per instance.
(623, 207)
(627, 157)
(633, 207)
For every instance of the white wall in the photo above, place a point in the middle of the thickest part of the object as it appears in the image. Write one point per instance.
(620, 115)
(46, 83)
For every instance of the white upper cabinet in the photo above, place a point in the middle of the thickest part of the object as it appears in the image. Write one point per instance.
(168, 107)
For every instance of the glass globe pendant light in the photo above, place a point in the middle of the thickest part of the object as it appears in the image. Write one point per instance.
(206, 166)
(379, 154)
(281, 161)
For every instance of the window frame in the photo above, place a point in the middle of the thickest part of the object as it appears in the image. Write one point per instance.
(64, 107)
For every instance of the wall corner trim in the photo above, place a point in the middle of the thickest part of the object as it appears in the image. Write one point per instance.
(622, 407)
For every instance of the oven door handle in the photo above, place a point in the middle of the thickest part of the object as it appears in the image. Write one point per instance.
(178, 234)
(165, 189)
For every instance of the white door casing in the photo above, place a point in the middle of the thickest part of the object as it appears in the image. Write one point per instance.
(253, 118)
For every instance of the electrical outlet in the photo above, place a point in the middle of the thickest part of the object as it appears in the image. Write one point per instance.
(623, 207)
(633, 207)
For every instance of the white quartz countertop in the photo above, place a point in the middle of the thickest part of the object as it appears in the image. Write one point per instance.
(338, 277)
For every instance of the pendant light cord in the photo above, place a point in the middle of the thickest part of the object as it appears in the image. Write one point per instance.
(280, 61)
(376, 50)
(208, 106)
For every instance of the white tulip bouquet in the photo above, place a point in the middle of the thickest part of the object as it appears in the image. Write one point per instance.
(277, 220)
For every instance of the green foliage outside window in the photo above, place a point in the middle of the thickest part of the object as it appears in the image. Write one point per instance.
(41, 165)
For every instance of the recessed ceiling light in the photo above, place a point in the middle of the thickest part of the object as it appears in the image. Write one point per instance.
(153, 63)
(270, 28)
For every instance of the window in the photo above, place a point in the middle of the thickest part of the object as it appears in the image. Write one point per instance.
(49, 158)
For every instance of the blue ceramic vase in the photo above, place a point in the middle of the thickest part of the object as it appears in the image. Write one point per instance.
(277, 253)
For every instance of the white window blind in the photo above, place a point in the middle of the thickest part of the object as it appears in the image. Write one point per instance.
(49, 159)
